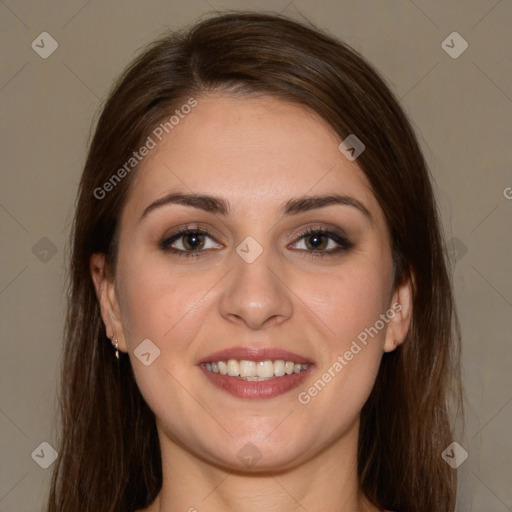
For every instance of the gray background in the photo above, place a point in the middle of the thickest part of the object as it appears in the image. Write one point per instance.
(460, 107)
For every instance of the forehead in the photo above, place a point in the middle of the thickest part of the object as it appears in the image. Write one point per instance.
(254, 151)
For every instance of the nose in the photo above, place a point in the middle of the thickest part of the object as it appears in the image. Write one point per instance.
(256, 294)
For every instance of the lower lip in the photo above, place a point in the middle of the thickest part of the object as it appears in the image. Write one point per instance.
(257, 389)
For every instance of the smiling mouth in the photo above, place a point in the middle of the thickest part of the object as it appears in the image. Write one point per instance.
(247, 370)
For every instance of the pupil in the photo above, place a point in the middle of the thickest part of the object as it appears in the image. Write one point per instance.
(316, 240)
(196, 241)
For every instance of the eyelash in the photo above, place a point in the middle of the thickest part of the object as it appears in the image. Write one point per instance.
(344, 244)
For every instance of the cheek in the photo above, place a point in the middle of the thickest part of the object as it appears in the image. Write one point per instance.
(349, 361)
(154, 299)
(158, 305)
(349, 300)
(350, 303)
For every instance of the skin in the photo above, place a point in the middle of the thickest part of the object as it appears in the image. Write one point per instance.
(256, 153)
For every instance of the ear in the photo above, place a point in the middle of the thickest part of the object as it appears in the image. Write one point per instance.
(399, 324)
(107, 297)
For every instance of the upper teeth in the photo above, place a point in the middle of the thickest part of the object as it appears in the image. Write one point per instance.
(252, 370)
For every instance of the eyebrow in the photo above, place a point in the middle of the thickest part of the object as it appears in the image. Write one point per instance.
(294, 206)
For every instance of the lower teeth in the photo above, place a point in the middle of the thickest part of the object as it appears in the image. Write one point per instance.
(256, 378)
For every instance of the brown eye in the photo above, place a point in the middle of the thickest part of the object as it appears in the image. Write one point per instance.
(188, 242)
(316, 241)
(320, 242)
(193, 241)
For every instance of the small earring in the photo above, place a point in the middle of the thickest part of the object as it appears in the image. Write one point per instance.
(395, 342)
(116, 346)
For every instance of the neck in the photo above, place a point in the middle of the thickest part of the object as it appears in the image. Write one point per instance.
(327, 482)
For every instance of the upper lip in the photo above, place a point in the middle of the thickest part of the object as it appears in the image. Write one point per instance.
(254, 354)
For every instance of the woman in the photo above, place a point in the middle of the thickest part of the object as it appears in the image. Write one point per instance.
(256, 236)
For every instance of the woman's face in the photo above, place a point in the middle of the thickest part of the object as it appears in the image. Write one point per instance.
(252, 285)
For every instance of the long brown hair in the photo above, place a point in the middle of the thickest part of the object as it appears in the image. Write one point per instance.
(109, 457)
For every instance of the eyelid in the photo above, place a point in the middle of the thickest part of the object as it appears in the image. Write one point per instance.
(193, 227)
(323, 228)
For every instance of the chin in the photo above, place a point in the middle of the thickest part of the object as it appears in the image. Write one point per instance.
(251, 456)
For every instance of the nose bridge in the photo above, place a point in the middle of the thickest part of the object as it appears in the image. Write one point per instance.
(255, 293)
